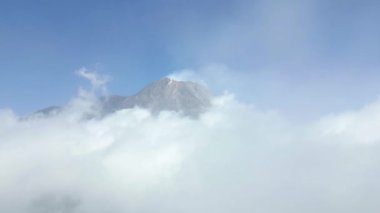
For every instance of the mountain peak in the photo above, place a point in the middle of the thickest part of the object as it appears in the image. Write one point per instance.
(167, 80)
(165, 94)
(170, 82)
(168, 94)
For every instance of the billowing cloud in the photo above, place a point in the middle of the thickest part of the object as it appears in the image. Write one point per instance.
(233, 158)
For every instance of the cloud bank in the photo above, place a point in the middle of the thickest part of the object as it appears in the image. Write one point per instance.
(234, 158)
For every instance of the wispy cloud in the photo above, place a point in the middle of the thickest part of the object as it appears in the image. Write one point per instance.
(98, 82)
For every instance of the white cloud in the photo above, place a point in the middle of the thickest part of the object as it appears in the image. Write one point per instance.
(95, 79)
(98, 83)
(359, 126)
(234, 158)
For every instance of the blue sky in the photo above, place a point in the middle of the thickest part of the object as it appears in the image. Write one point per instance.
(320, 55)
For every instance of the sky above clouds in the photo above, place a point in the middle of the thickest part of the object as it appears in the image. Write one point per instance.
(289, 55)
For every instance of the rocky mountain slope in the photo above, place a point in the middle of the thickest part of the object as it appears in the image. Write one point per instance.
(166, 94)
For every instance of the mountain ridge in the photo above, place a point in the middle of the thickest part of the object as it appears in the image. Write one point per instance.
(166, 94)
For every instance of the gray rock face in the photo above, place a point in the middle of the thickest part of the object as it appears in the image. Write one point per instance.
(166, 94)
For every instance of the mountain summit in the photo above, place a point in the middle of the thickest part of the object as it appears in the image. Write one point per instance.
(165, 94)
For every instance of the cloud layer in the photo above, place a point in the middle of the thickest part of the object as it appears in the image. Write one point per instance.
(234, 158)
